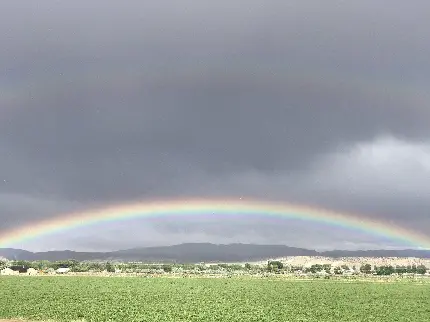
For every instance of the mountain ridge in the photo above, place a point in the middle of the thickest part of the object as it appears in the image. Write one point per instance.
(203, 252)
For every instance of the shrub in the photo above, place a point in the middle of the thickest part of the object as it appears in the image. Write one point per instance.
(366, 268)
(421, 269)
(167, 268)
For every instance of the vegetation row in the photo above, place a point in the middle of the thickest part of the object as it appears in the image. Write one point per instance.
(272, 267)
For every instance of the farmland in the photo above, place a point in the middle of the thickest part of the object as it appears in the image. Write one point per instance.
(204, 299)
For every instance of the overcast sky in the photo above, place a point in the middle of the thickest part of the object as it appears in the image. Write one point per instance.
(313, 102)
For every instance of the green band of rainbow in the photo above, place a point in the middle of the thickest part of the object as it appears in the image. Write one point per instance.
(194, 207)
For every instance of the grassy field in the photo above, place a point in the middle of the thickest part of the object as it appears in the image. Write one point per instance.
(193, 299)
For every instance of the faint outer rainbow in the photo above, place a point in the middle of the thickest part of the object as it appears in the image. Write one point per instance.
(216, 207)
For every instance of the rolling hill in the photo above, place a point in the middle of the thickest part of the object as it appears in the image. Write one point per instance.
(203, 252)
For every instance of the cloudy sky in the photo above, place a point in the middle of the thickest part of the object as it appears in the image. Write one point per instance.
(311, 102)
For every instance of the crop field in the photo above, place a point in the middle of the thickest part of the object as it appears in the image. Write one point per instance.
(205, 299)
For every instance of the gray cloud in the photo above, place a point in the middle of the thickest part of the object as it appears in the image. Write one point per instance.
(323, 104)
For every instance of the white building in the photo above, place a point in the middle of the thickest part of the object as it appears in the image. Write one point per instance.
(8, 271)
(63, 270)
(32, 271)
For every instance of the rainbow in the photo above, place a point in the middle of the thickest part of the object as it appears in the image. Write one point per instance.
(195, 207)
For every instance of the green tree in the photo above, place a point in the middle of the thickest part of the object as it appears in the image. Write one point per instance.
(97, 267)
(41, 265)
(296, 268)
(81, 267)
(401, 269)
(315, 268)
(109, 267)
(421, 269)
(384, 270)
(274, 266)
(69, 263)
(248, 266)
(167, 268)
(21, 263)
(3, 263)
(236, 267)
(366, 268)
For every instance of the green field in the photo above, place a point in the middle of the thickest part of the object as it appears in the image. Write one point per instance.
(197, 299)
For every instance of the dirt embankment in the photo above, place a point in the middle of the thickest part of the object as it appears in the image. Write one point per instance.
(352, 261)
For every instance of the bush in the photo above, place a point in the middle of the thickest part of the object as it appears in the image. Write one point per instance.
(366, 268)
(110, 268)
(274, 266)
(401, 270)
(167, 268)
(338, 271)
(316, 268)
(384, 270)
(3, 263)
(421, 269)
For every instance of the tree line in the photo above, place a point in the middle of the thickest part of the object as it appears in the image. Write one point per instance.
(272, 267)
(389, 270)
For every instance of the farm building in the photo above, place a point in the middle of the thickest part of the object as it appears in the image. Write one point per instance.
(63, 270)
(19, 268)
(32, 271)
(8, 271)
(16, 270)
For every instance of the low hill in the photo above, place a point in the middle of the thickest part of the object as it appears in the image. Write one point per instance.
(203, 252)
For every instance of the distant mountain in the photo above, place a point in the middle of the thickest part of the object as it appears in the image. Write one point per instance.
(15, 254)
(203, 252)
(19, 254)
(206, 252)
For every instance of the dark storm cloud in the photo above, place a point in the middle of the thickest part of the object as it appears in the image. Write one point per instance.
(104, 103)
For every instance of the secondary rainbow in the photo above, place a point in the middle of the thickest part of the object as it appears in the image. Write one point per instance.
(197, 207)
